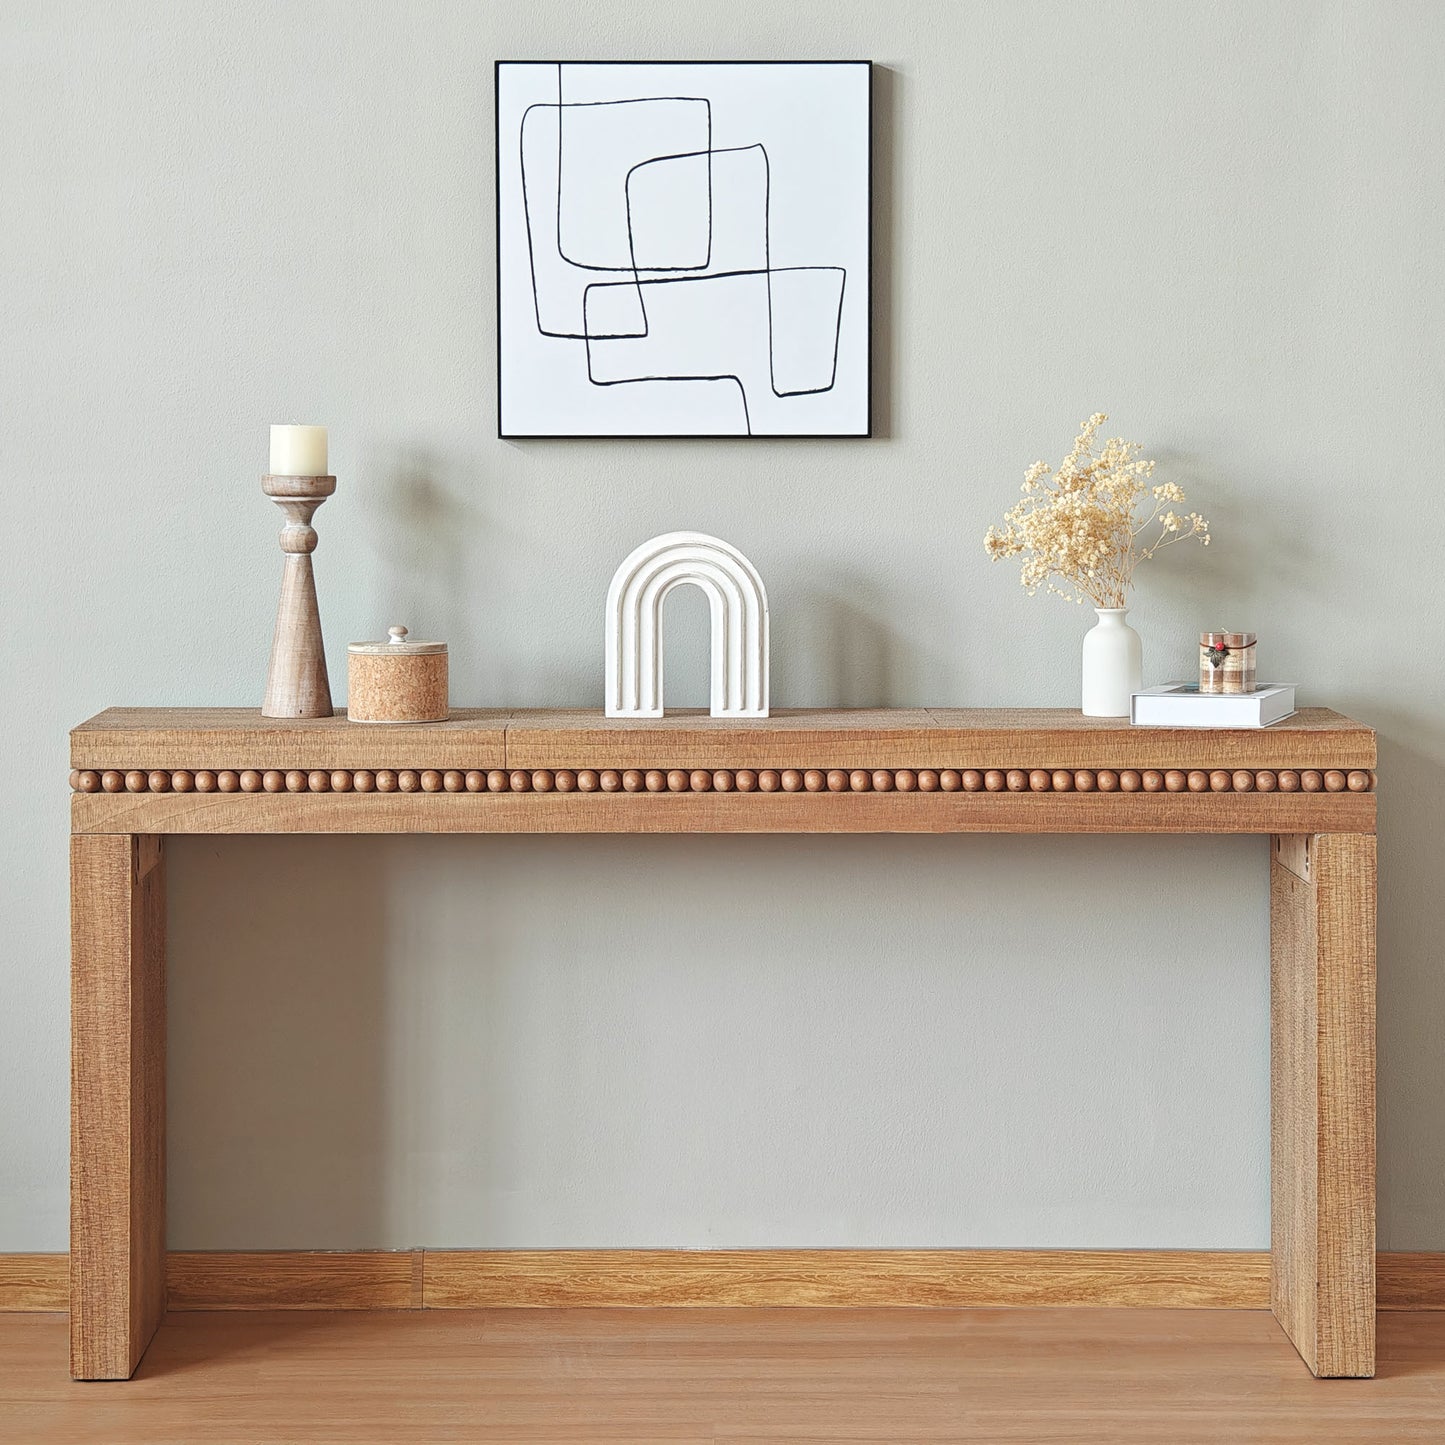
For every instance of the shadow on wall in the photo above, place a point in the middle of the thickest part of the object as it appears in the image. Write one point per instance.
(1411, 987)
(858, 659)
(1261, 552)
(287, 985)
(531, 1042)
(886, 86)
(443, 552)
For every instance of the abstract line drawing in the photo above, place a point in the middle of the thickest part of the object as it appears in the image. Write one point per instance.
(683, 249)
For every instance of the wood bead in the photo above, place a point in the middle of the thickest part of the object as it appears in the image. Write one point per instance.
(705, 780)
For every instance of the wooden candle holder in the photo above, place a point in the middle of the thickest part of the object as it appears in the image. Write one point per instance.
(296, 682)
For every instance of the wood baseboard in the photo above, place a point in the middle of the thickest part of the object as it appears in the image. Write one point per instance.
(1410, 1281)
(34, 1281)
(465, 1279)
(554, 1278)
(371, 1279)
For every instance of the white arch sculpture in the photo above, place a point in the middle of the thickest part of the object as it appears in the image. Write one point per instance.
(739, 607)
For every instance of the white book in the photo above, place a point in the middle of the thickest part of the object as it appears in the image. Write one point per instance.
(1182, 705)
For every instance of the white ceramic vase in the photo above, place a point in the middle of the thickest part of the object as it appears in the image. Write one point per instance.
(1113, 664)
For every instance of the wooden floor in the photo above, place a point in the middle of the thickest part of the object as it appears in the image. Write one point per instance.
(1084, 1376)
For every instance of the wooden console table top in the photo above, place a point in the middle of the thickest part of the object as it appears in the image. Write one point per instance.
(226, 770)
(139, 774)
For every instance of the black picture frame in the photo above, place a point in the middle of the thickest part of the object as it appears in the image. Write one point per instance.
(504, 435)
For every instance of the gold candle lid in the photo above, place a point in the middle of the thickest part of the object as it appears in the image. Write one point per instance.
(397, 644)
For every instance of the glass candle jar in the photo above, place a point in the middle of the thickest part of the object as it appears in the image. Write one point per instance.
(1226, 662)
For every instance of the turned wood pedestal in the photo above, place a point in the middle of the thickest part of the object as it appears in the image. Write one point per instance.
(141, 774)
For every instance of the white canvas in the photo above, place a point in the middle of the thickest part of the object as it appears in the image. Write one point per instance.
(683, 249)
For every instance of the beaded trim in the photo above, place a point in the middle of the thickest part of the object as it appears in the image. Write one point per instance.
(724, 780)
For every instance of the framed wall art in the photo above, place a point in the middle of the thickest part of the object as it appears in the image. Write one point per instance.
(683, 248)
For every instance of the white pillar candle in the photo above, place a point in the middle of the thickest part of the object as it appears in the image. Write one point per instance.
(298, 451)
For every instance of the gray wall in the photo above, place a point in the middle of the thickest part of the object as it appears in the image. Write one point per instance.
(1220, 222)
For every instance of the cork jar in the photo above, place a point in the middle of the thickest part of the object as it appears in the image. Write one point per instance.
(1226, 662)
(397, 681)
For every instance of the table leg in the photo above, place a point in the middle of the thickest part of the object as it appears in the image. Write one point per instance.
(1322, 1096)
(117, 1101)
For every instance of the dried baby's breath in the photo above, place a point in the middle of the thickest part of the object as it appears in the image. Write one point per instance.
(1082, 529)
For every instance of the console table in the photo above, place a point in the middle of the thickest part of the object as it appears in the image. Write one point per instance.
(140, 774)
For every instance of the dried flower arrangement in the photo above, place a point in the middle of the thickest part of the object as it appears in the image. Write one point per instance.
(1091, 522)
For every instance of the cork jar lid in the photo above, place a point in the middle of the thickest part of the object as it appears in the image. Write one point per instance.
(397, 644)
(1227, 639)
